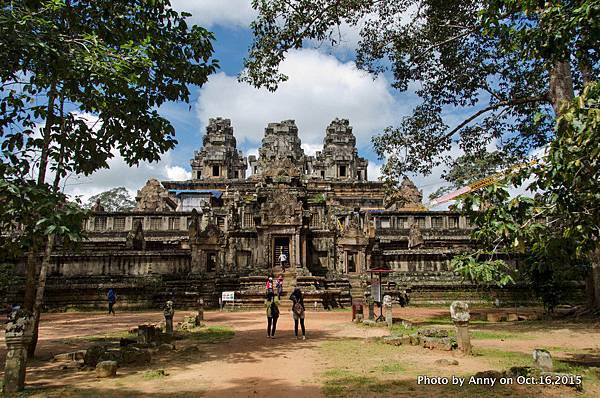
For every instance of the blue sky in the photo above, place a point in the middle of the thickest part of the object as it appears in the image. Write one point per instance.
(323, 84)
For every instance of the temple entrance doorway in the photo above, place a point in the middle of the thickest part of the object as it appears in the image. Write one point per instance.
(281, 244)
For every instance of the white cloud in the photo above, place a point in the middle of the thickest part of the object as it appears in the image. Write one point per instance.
(320, 88)
(373, 171)
(311, 149)
(119, 174)
(209, 13)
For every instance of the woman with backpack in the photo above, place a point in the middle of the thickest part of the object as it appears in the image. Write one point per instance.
(298, 310)
(272, 306)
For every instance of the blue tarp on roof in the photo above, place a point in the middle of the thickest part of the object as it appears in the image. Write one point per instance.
(217, 194)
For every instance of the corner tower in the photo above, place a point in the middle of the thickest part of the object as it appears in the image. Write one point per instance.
(219, 157)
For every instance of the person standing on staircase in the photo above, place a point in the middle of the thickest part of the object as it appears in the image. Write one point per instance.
(279, 286)
(283, 261)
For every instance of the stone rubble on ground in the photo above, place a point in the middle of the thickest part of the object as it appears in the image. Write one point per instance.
(106, 369)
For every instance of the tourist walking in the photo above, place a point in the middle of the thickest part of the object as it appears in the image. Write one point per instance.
(269, 285)
(279, 286)
(298, 311)
(112, 299)
(283, 261)
(272, 306)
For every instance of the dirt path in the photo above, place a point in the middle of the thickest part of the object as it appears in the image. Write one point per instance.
(250, 365)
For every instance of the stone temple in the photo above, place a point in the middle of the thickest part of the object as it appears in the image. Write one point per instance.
(224, 230)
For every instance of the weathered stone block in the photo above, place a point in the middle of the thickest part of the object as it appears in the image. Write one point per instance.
(438, 343)
(106, 369)
(543, 360)
(433, 332)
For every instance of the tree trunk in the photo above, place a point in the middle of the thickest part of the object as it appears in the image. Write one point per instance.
(30, 279)
(39, 295)
(47, 138)
(561, 85)
(593, 281)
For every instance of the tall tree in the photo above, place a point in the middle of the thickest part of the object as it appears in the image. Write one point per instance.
(506, 64)
(116, 61)
(115, 199)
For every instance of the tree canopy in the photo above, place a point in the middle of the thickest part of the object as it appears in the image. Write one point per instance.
(504, 64)
(552, 233)
(115, 199)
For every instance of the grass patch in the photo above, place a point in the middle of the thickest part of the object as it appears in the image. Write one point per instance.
(154, 374)
(497, 335)
(393, 367)
(502, 359)
(340, 383)
(211, 334)
(399, 330)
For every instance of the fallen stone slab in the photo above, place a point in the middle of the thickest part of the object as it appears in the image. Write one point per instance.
(415, 339)
(397, 340)
(166, 347)
(78, 355)
(369, 322)
(106, 369)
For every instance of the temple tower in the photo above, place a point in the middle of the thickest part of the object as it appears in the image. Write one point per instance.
(339, 159)
(281, 142)
(219, 157)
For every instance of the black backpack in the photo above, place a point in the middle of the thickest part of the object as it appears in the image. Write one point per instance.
(274, 309)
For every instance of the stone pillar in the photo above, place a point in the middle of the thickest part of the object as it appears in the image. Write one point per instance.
(169, 311)
(200, 310)
(387, 307)
(371, 303)
(19, 330)
(459, 311)
(297, 250)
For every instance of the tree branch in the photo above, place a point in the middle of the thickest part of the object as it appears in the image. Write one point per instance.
(512, 102)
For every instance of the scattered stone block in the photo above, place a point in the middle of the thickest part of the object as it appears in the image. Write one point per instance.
(512, 317)
(78, 355)
(393, 340)
(494, 317)
(438, 343)
(433, 332)
(93, 354)
(369, 322)
(415, 339)
(543, 360)
(446, 362)
(135, 356)
(123, 342)
(106, 369)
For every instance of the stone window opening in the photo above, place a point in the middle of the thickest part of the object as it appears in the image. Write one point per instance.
(155, 223)
(342, 171)
(402, 222)
(322, 173)
(119, 223)
(420, 222)
(136, 221)
(359, 175)
(437, 222)
(453, 222)
(215, 171)
(351, 262)
(99, 223)
(221, 222)
(174, 223)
